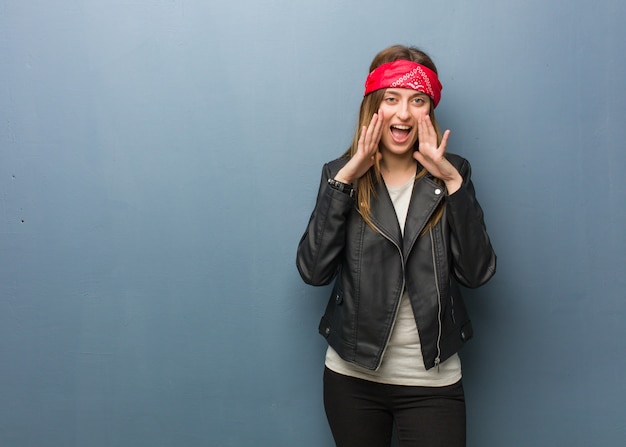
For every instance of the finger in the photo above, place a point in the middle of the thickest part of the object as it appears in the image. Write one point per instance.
(361, 140)
(372, 135)
(444, 140)
(429, 128)
(380, 119)
(374, 124)
(378, 129)
(422, 130)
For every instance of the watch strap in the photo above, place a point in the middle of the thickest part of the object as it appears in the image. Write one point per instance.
(345, 188)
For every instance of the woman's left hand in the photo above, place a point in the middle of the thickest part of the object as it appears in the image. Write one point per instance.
(432, 157)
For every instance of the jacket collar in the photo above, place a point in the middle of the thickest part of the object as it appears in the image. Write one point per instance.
(427, 195)
(383, 214)
(424, 200)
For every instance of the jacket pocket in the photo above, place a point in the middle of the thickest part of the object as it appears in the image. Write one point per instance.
(456, 324)
(326, 325)
(467, 331)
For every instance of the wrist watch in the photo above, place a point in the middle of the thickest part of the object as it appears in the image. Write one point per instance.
(342, 187)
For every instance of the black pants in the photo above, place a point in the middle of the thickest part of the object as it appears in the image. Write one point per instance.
(362, 413)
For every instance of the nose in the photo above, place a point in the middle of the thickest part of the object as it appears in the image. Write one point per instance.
(403, 110)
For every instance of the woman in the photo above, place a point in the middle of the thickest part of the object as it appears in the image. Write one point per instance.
(398, 228)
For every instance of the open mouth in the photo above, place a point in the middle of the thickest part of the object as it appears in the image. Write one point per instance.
(400, 133)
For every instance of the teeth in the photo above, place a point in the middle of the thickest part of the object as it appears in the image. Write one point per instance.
(402, 127)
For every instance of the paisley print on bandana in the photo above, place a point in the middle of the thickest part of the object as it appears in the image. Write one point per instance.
(405, 74)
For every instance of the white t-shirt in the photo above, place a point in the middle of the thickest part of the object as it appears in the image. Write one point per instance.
(402, 362)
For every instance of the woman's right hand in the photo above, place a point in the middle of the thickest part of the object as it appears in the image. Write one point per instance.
(367, 151)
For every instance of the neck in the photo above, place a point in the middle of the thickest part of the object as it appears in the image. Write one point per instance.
(397, 170)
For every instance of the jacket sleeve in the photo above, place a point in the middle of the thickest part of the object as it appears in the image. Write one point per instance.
(473, 258)
(321, 246)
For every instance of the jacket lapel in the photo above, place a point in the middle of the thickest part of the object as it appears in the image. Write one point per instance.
(424, 200)
(426, 196)
(384, 214)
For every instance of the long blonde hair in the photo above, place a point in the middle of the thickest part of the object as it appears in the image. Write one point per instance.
(366, 185)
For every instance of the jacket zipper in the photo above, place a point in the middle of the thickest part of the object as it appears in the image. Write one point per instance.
(397, 309)
(452, 308)
(432, 244)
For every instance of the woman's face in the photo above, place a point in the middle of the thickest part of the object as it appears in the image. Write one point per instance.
(401, 108)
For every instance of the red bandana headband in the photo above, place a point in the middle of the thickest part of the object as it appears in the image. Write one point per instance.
(405, 74)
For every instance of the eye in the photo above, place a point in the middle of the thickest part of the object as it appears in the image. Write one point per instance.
(390, 99)
(419, 100)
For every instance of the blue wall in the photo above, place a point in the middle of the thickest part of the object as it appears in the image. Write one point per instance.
(159, 161)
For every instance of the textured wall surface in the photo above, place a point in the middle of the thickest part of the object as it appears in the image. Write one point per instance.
(159, 161)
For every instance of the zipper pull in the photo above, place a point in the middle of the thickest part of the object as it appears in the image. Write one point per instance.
(437, 362)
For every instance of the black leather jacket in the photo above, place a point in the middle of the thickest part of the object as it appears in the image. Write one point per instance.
(372, 268)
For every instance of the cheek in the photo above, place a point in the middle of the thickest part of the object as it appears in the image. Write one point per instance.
(386, 121)
(420, 112)
(424, 111)
(385, 109)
